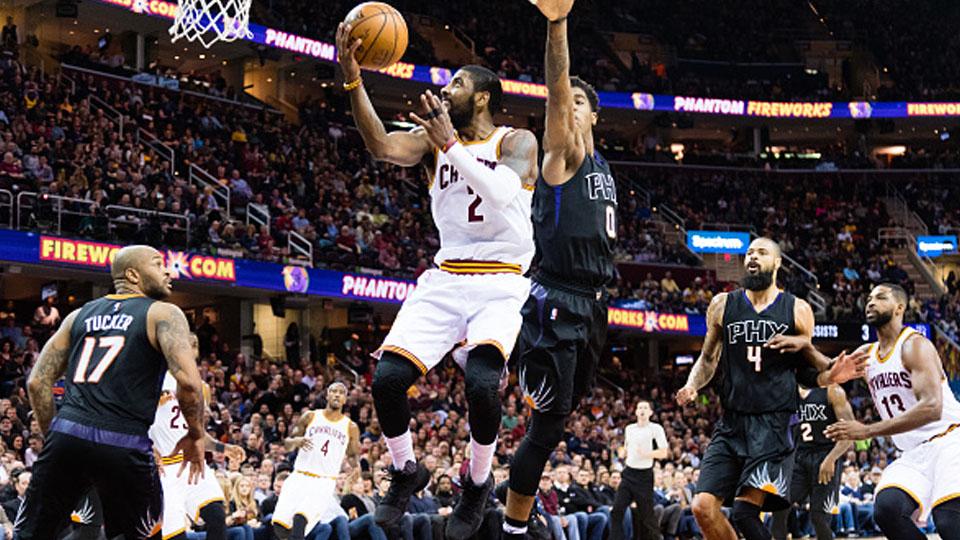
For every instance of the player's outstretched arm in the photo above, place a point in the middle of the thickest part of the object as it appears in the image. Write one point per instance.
(404, 148)
(921, 359)
(841, 407)
(296, 438)
(705, 366)
(50, 366)
(562, 145)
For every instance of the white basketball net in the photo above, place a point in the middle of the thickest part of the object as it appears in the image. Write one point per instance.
(209, 21)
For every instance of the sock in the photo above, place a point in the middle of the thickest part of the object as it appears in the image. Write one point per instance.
(401, 450)
(481, 458)
(514, 526)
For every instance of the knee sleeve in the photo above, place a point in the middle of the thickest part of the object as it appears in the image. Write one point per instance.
(893, 511)
(215, 517)
(391, 380)
(483, 372)
(746, 517)
(299, 529)
(543, 436)
(946, 517)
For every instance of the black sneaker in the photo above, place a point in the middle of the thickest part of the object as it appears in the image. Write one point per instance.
(403, 483)
(465, 519)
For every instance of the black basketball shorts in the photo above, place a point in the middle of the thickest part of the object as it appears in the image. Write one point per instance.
(806, 480)
(559, 347)
(750, 451)
(75, 458)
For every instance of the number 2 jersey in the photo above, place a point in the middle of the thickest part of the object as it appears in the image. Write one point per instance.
(169, 425)
(470, 228)
(813, 416)
(891, 388)
(754, 379)
(114, 373)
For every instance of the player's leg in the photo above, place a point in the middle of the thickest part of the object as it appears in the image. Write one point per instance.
(823, 497)
(130, 491)
(746, 514)
(214, 516)
(58, 481)
(428, 325)
(719, 476)
(621, 503)
(546, 351)
(893, 512)
(205, 500)
(946, 517)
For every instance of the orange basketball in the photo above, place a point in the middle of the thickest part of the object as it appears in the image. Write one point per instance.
(383, 32)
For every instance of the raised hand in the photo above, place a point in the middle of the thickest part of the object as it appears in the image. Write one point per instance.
(553, 10)
(847, 367)
(347, 53)
(436, 119)
(686, 395)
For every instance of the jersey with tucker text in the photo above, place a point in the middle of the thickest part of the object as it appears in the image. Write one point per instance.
(114, 373)
(470, 228)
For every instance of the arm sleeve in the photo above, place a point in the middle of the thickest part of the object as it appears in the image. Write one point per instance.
(496, 186)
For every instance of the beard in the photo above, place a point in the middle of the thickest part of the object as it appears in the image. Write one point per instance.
(460, 115)
(880, 319)
(757, 282)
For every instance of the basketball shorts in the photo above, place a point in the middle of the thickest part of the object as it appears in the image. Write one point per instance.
(560, 344)
(806, 480)
(928, 473)
(449, 311)
(750, 450)
(89, 513)
(183, 501)
(310, 496)
(118, 465)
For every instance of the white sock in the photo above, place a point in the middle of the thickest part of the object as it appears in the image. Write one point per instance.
(481, 458)
(510, 529)
(401, 450)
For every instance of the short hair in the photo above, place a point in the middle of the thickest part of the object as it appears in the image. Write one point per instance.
(898, 292)
(282, 475)
(647, 401)
(589, 90)
(485, 80)
(774, 243)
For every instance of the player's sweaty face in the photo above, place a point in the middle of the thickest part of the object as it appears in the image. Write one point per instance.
(760, 258)
(458, 97)
(336, 395)
(881, 305)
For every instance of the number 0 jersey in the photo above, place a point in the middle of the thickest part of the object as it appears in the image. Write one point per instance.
(472, 230)
(891, 388)
(330, 441)
(114, 373)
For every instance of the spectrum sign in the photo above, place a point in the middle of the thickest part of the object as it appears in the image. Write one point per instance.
(935, 246)
(718, 241)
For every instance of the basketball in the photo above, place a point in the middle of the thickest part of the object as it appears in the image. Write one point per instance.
(383, 32)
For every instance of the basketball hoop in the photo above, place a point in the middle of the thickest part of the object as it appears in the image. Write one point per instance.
(209, 21)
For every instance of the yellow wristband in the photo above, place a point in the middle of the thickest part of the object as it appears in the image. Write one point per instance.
(353, 85)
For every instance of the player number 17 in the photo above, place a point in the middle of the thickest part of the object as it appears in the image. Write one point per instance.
(754, 355)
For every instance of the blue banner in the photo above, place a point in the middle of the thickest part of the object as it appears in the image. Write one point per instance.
(718, 241)
(935, 246)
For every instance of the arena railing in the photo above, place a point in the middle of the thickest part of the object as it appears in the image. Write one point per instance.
(203, 179)
(950, 352)
(258, 214)
(6, 205)
(924, 264)
(58, 205)
(298, 243)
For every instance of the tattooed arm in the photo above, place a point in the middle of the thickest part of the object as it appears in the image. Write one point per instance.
(50, 366)
(706, 365)
(169, 332)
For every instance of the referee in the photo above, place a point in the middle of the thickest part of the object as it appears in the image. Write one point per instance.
(644, 441)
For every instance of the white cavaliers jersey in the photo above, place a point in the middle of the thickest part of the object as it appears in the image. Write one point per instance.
(330, 440)
(892, 390)
(469, 228)
(169, 425)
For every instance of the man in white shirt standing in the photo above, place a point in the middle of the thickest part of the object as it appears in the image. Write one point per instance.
(644, 441)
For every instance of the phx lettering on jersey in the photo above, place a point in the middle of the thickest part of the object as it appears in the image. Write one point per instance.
(754, 332)
(327, 430)
(448, 175)
(890, 380)
(813, 412)
(601, 185)
(100, 323)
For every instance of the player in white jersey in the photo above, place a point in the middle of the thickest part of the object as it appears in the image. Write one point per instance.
(184, 502)
(481, 185)
(323, 438)
(920, 413)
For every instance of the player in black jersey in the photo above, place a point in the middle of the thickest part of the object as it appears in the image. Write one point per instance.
(750, 456)
(565, 317)
(113, 352)
(815, 471)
